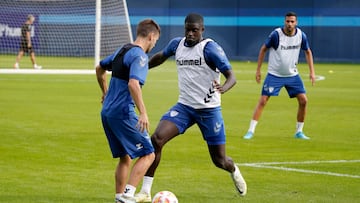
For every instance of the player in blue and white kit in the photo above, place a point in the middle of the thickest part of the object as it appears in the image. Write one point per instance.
(127, 133)
(284, 45)
(200, 63)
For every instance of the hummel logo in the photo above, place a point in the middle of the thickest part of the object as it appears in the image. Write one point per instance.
(209, 95)
(211, 91)
(221, 51)
(139, 146)
(217, 127)
(142, 61)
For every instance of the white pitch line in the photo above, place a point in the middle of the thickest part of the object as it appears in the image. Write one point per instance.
(47, 71)
(84, 72)
(268, 166)
(304, 162)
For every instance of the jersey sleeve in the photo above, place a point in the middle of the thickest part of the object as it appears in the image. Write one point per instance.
(304, 42)
(215, 56)
(106, 62)
(171, 47)
(272, 40)
(137, 61)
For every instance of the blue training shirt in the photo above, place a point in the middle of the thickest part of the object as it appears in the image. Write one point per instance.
(118, 102)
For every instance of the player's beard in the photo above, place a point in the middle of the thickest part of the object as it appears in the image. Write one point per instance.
(191, 42)
(289, 30)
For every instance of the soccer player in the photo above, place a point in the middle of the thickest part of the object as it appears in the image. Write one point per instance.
(284, 45)
(127, 132)
(25, 43)
(200, 63)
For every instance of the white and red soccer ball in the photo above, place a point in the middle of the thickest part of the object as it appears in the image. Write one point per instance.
(165, 197)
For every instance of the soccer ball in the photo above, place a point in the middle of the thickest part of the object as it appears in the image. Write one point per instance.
(165, 197)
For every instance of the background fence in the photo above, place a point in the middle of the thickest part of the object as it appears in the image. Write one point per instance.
(241, 27)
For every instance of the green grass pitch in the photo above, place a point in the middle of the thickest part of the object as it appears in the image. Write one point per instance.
(53, 149)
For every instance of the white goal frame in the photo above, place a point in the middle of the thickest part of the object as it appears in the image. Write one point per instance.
(98, 29)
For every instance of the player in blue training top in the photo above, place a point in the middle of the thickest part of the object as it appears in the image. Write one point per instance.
(200, 63)
(127, 133)
(284, 45)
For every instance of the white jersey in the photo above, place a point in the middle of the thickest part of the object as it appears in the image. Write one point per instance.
(195, 77)
(283, 60)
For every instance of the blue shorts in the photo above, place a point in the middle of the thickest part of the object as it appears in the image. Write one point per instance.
(210, 122)
(273, 84)
(124, 138)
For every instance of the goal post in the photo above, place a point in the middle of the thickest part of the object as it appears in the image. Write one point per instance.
(64, 30)
(97, 32)
(103, 8)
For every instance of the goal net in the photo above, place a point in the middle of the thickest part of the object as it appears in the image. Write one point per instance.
(67, 34)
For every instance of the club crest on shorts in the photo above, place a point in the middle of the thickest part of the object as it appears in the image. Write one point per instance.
(268, 88)
(173, 113)
(271, 89)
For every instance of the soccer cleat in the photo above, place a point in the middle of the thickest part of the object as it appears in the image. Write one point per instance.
(125, 199)
(142, 197)
(248, 135)
(16, 66)
(239, 181)
(37, 67)
(301, 135)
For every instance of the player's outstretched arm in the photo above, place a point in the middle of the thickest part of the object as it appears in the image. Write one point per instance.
(157, 59)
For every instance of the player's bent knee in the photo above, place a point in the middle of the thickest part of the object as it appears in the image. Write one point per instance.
(150, 157)
(157, 141)
(160, 139)
(303, 101)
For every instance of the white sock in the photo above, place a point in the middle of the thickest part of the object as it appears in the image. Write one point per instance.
(129, 190)
(252, 127)
(147, 184)
(299, 126)
(117, 195)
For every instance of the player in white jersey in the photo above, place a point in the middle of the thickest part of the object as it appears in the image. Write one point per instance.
(284, 45)
(200, 63)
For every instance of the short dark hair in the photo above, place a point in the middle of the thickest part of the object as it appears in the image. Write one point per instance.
(194, 18)
(147, 26)
(291, 13)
